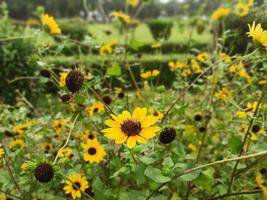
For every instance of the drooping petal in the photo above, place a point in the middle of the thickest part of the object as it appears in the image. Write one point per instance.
(131, 142)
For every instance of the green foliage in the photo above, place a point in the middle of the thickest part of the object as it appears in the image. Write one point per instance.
(237, 39)
(75, 28)
(16, 48)
(160, 29)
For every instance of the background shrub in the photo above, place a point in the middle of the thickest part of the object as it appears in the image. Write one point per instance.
(15, 51)
(160, 28)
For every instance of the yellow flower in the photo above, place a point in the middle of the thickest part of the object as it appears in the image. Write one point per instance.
(173, 65)
(51, 23)
(108, 48)
(202, 57)
(250, 3)
(241, 9)
(156, 46)
(156, 113)
(131, 128)
(133, 3)
(121, 16)
(263, 82)
(20, 129)
(258, 34)
(227, 59)
(75, 185)
(195, 67)
(241, 114)
(16, 143)
(94, 152)
(95, 108)
(62, 78)
(149, 74)
(58, 126)
(65, 153)
(47, 147)
(261, 183)
(219, 13)
(186, 72)
(2, 152)
(224, 94)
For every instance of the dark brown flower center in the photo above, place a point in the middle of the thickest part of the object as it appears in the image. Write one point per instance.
(92, 151)
(95, 110)
(131, 127)
(91, 136)
(77, 185)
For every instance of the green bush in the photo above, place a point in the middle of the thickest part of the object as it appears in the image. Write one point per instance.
(237, 39)
(75, 28)
(160, 28)
(15, 51)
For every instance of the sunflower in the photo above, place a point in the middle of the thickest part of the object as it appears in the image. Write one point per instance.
(75, 185)
(173, 65)
(224, 94)
(95, 108)
(51, 23)
(47, 147)
(20, 129)
(122, 16)
(94, 152)
(65, 153)
(202, 57)
(149, 74)
(242, 9)
(2, 153)
(258, 34)
(131, 128)
(219, 13)
(17, 143)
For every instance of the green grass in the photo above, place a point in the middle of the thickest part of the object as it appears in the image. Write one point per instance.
(143, 34)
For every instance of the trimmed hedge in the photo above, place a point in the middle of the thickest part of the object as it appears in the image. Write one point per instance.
(166, 48)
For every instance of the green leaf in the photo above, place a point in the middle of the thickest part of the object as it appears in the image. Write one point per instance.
(147, 160)
(120, 171)
(136, 44)
(79, 99)
(205, 179)
(191, 176)
(114, 70)
(168, 162)
(155, 175)
(235, 144)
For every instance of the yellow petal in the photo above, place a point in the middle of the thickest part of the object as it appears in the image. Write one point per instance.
(116, 118)
(126, 115)
(149, 132)
(149, 121)
(140, 139)
(131, 142)
(112, 123)
(121, 140)
(139, 113)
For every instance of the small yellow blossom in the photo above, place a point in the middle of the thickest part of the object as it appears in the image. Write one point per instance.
(156, 46)
(2, 152)
(173, 65)
(224, 94)
(17, 143)
(20, 129)
(65, 153)
(122, 16)
(241, 9)
(192, 147)
(258, 34)
(133, 3)
(219, 13)
(51, 23)
(108, 48)
(195, 67)
(95, 108)
(149, 74)
(202, 57)
(227, 59)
